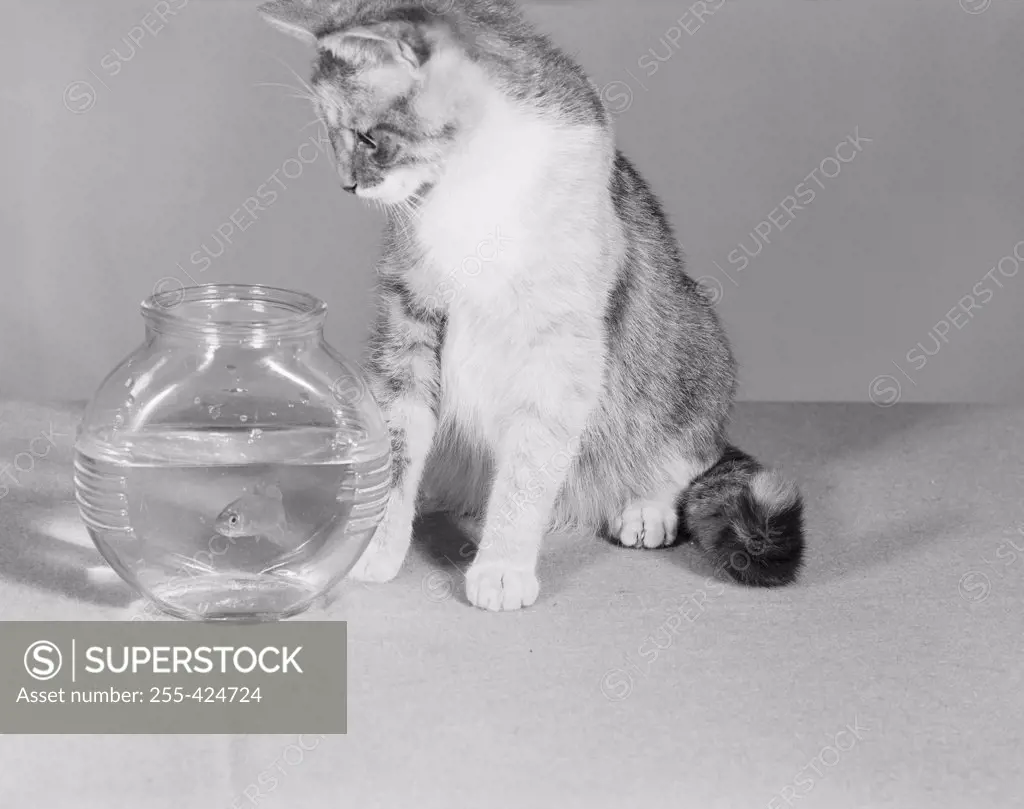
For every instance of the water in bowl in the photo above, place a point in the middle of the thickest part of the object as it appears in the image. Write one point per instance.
(151, 500)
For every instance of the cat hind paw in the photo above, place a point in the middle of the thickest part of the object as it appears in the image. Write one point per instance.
(646, 524)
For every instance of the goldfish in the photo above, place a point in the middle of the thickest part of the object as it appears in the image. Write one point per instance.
(254, 515)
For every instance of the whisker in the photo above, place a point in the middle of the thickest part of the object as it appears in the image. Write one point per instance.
(291, 70)
(275, 84)
(296, 92)
(411, 214)
(403, 214)
(314, 96)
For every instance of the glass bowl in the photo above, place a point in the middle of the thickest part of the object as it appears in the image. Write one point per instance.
(234, 466)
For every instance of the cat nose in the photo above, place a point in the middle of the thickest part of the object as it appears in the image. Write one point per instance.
(350, 188)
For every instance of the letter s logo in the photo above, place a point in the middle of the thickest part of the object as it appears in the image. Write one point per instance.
(43, 660)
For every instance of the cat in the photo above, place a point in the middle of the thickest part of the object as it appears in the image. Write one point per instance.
(540, 354)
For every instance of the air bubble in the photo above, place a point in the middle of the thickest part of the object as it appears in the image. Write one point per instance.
(129, 381)
(237, 390)
(215, 411)
(197, 401)
(243, 418)
(304, 397)
(256, 433)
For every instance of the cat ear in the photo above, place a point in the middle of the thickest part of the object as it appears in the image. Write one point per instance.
(380, 43)
(298, 18)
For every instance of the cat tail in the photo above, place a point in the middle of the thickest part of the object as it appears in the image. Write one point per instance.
(747, 519)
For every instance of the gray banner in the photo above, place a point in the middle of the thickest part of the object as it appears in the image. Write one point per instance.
(175, 677)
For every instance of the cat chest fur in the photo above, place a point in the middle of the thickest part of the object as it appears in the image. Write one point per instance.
(488, 366)
(509, 249)
(511, 347)
(518, 331)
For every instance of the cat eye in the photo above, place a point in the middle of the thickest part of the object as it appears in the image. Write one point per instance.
(366, 140)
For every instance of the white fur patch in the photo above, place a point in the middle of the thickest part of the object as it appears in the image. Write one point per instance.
(772, 490)
(493, 231)
(397, 185)
(487, 186)
(682, 472)
(384, 556)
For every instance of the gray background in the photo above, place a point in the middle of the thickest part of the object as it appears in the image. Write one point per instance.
(102, 203)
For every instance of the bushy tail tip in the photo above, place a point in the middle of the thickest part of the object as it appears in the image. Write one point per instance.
(747, 519)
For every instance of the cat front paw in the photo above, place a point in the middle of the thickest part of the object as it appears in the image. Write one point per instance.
(383, 557)
(377, 565)
(498, 586)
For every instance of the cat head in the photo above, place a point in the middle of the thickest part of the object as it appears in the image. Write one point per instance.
(378, 90)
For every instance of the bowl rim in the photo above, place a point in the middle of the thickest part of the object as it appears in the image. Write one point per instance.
(294, 311)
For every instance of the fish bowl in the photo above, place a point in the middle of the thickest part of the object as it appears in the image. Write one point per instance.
(234, 466)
